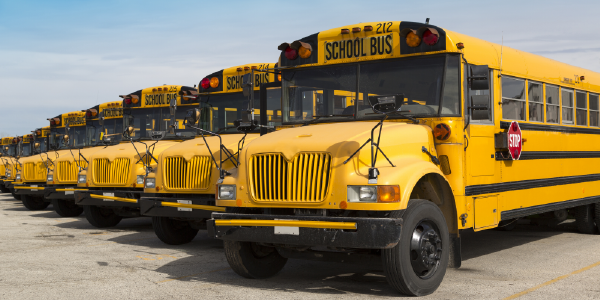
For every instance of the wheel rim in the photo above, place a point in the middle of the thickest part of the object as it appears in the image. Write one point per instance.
(425, 249)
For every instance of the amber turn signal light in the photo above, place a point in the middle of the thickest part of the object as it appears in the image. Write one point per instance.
(214, 82)
(442, 131)
(388, 193)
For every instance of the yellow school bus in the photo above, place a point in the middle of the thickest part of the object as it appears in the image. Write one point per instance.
(437, 132)
(152, 121)
(180, 192)
(91, 131)
(64, 130)
(7, 165)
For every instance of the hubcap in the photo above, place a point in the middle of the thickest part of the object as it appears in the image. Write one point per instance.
(425, 249)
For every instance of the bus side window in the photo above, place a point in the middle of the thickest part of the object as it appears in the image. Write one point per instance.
(513, 98)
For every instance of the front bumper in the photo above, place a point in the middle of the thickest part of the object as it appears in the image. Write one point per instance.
(187, 206)
(63, 192)
(111, 198)
(30, 189)
(340, 232)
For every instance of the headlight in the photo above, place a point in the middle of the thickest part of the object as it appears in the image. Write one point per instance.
(374, 193)
(226, 192)
(150, 183)
(140, 179)
(82, 179)
(18, 177)
(50, 177)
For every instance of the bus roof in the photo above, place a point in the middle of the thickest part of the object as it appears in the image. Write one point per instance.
(386, 41)
(229, 80)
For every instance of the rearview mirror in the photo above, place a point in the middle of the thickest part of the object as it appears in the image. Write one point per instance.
(247, 84)
(36, 146)
(480, 107)
(173, 106)
(192, 117)
(386, 103)
(129, 132)
(101, 119)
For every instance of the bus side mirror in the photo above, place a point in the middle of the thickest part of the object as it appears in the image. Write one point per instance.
(480, 107)
(192, 117)
(247, 84)
(386, 103)
(173, 106)
(479, 78)
(36, 146)
(101, 119)
(129, 131)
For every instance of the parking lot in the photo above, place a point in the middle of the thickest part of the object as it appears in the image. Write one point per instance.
(45, 256)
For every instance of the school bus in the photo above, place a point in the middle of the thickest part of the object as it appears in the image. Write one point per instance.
(11, 162)
(90, 131)
(7, 168)
(152, 121)
(440, 132)
(64, 130)
(179, 194)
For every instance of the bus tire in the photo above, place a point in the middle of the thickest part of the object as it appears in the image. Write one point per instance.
(4, 189)
(173, 232)
(584, 219)
(33, 203)
(18, 197)
(101, 217)
(424, 231)
(65, 208)
(253, 261)
(597, 215)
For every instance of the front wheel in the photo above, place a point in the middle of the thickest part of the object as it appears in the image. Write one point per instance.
(252, 260)
(417, 264)
(66, 208)
(34, 203)
(18, 197)
(173, 232)
(4, 189)
(584, 219)
(101, 217)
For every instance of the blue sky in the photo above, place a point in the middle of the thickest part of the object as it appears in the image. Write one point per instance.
(61, 56)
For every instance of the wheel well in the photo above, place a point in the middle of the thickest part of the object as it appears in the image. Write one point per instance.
(435, 188)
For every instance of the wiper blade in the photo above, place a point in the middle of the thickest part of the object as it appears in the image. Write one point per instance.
(413, 119)
(316, 118)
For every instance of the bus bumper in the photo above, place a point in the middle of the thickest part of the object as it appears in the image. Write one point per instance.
(29, 189)
(361, 233)
(63, 192)
(108, 198)
(188, 207)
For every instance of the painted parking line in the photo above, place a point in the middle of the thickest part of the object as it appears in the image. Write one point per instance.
(182, 277)
(551, 281)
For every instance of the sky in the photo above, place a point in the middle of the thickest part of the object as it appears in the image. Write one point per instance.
(63, 56)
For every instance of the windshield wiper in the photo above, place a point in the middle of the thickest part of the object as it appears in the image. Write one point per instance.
(413, 119)
(316, 118)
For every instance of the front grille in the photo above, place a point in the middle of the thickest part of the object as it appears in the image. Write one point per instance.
(110, 172)
(67, 171)
(304, 179)
(34, 171)
(180, 174)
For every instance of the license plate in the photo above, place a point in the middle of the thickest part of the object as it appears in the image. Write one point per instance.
(287, 230)
(108, 194)
(184, 202)
(69, 192)
(34, 186)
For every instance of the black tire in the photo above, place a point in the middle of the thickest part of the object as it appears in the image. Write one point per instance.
(101, 217)
(34, 203)
(252, 260)
(66, 208)
(18, 197)
(4, 189)
(584, 219)
(173, 232)
(508, 225)
(597, 215)
(424, 229)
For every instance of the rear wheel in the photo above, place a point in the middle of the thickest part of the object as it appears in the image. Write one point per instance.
(34, 203)
(417, 264)
(18, 197)
(252, 260)
(101, 217)
(584, 218)
(173, 232)
(66, 208)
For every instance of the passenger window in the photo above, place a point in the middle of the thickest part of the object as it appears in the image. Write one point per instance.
(581, 112)
(536, 102)
(567, 106)
(594, 111)
(513, 98)
(552, 104)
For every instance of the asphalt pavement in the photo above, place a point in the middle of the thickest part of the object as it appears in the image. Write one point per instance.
(44, 256)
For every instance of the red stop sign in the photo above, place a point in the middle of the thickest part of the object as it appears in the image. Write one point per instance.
(515, 141)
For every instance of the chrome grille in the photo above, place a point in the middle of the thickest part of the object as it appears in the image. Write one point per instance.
(180, 174)
(67, 171)
(110, 172)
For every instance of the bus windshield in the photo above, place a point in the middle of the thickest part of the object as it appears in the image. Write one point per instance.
(26, 150)
(56, 140)
(42, 142)
(145, 120)
(113, 129)
(77, 136)
(430, 86)
(219, 111)
(11, 150)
